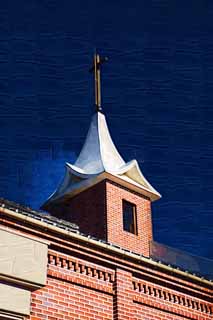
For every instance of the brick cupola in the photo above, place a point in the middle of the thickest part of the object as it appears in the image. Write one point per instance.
(107, 197)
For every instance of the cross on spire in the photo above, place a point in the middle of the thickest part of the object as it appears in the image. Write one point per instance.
(97, 72)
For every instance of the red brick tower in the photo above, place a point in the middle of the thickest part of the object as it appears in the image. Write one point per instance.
(107, 197)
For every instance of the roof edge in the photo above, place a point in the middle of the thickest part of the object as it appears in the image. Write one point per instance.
(106, 246)
(85, 184)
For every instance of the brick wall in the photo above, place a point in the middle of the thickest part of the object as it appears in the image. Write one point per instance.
(115, 234)
(86, 282)
(78, 289)
(87, 210)
(62, 300)
(123, 306)
(152, 301)
(98, 212)
(75, 289)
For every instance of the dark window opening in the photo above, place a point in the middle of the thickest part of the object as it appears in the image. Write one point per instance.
(129, 217)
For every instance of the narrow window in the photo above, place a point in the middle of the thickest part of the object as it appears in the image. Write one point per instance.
(129, 217)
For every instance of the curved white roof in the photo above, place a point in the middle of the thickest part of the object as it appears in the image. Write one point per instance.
(97, 158)
(99, 152)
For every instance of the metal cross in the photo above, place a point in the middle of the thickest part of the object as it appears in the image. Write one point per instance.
(96, 68)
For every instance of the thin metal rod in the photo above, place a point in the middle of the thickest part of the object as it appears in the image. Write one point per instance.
(98, 82)
(96, 68)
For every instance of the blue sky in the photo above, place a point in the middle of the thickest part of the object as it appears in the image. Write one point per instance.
(157, 96)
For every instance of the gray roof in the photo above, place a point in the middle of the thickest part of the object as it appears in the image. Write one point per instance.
(41, 216)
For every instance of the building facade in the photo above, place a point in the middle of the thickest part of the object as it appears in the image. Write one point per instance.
(91, 256)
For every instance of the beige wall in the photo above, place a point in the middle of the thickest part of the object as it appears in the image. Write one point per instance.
(14, 299)
(23, 258)
(22, 261)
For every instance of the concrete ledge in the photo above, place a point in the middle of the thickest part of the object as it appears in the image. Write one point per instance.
(14, 299)
(22, 258)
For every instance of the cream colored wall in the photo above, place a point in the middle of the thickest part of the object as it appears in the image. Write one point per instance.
(23, 258)
(14, 299)
(23, 261)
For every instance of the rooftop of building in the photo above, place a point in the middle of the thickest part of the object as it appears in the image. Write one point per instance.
(38, 215)
(163, 256)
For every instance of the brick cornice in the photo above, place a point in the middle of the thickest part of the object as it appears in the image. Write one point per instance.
(107, 255)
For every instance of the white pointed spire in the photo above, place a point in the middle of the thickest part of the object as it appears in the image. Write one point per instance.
(99, 160)
(99, 152)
